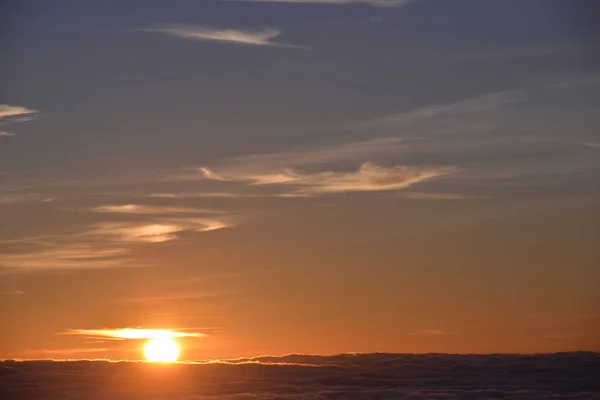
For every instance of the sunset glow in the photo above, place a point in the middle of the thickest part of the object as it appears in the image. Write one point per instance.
(161, 350)
(300, 199)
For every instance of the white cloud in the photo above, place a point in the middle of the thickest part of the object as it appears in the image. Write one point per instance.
(262, 37)
(376, 3)
(7, 111)
(6, 133)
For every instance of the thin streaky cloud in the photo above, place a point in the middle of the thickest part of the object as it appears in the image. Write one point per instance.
(60, 352)
(150, 210)
(295, 157)
(11, 292)
(172, 297)
(223, 195)
(7, 110)
(369, 177)
(256, 37)
(438, 196)
(65, 257)
(559, 336)
(157, 232)
(589, 144)
(132, 333)
(376, 3)
(6, 133)
(433, 332)
(103, 245)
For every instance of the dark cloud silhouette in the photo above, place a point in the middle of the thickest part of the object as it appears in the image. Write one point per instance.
(346, 376)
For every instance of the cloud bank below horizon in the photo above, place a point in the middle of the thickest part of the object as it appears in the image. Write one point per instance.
(314, 377)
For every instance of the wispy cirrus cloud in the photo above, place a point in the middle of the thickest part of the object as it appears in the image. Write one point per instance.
(164, 231)
(132, 333)
(101, 245)
(221, 195)
(433, 332)
(438, 196)
(376, 3)
(578, 335)
(13, 114)
(8, 111)
(11, 292)
(173, 297)
(589, 144)
(288, 169)
(150, 210)
(369, 177)
(65, 257)
(250, 37)
(66, 352)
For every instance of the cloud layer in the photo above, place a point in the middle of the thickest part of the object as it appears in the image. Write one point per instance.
(312, 377)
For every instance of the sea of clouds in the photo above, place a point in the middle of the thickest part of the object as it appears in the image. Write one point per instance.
(308, 377)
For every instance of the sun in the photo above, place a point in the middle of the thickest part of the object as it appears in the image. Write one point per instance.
(161, 350)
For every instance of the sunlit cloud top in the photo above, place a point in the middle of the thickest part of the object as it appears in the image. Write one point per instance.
(132, 333)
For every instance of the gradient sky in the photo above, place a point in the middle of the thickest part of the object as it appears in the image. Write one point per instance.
(272, 177)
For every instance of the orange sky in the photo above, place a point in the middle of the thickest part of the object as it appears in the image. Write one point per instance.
(299, 178)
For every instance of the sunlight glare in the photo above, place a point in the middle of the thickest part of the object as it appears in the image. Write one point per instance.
(162, 349)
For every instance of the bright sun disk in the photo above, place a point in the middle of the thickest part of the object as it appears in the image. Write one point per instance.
(162, 349)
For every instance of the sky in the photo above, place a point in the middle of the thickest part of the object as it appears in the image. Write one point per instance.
(299, 176)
